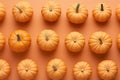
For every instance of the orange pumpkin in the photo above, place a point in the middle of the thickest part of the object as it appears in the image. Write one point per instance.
(107, 70)
(118, 12)
(100, 42)
(27, 69)
(56, 69)
(2, 41)
(2, 11)
(118, 41)
(77, 13)
(51, 11)
(102, 12)
(47, 40)
(82, 70)
(74, 42)
(19, 41)
(22, 11)
(4, 69)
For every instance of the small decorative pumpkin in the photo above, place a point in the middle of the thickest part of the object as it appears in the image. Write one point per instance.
(102, 12)
(2, 11)
(100, 42)
(19, 41)
(56, 69)
(47, 40)
(51, 11)
(22, 11)
(2, 41)
(118, 12)
(27, 69)
(82, 71)
(107, 70)
(77, 13)
(75, 42)
(4, 69)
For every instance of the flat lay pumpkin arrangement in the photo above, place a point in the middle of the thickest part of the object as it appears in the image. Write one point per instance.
(52, 41)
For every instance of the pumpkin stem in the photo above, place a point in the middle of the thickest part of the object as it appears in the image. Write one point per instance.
(18, 37)
(108, 70)
(19, 9)
(77, 7)
(54, 68)
(102, 7)
(101, 42)
(46, 37)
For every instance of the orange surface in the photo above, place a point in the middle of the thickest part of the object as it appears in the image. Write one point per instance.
(62, 27)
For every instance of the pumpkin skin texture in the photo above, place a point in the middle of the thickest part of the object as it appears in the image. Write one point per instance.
(74, 42)
(107, 70)
(56, 69)
(2, 11)
(22, 11)
(82, 70)
(51, 11)
(2, 41)
(27, 69)
(19, 41)
(77, 13)
(118, 12)
(102, 12)
(4, 69)
(100, 42)
(47, 40)
(118, 41)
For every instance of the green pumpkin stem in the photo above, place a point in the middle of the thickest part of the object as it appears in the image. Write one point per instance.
(46, 37)
(77, 7)
(18, 37)
(19, 9)
(54, 68)
(101, 42)
(102, 7)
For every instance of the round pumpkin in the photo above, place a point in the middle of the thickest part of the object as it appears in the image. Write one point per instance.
(82, 71)
(118, 12)
(51, 11)
(107, 70)
(19, 41)
(74, 42)
(22, 11)
(2, 11)
(56, 69)
(4, 69)
(100, 42)
(47, 40)
(102, 12)
(27, 69)
(2, 41)
(77, 13)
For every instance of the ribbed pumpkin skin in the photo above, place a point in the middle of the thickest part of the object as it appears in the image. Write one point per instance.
(22, 11)
(2, 41)
(102, 15)
(100, 42)
(2, 11)
(107, 70)
(118, 12)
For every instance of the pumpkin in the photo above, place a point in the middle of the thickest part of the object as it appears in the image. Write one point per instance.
(2, 11)
(2, 41)
(56, 69)
(107, 70)
(100, 42)
(19, 41)
(27, 69)
(4, 69)
(47, 40)
(77, 13)
(22, 11)
(51, 11)
(82, 71)
(118, 12)
(102, 12)
(74, 42)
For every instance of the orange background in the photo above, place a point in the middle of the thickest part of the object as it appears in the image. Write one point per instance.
(62, 27)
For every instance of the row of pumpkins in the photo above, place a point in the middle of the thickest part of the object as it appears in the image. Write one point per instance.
(51, 11)
(48, 40)
(56, 69)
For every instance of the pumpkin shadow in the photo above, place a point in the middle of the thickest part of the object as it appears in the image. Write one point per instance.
(76, 25)
(22, 24)
(102, 23)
